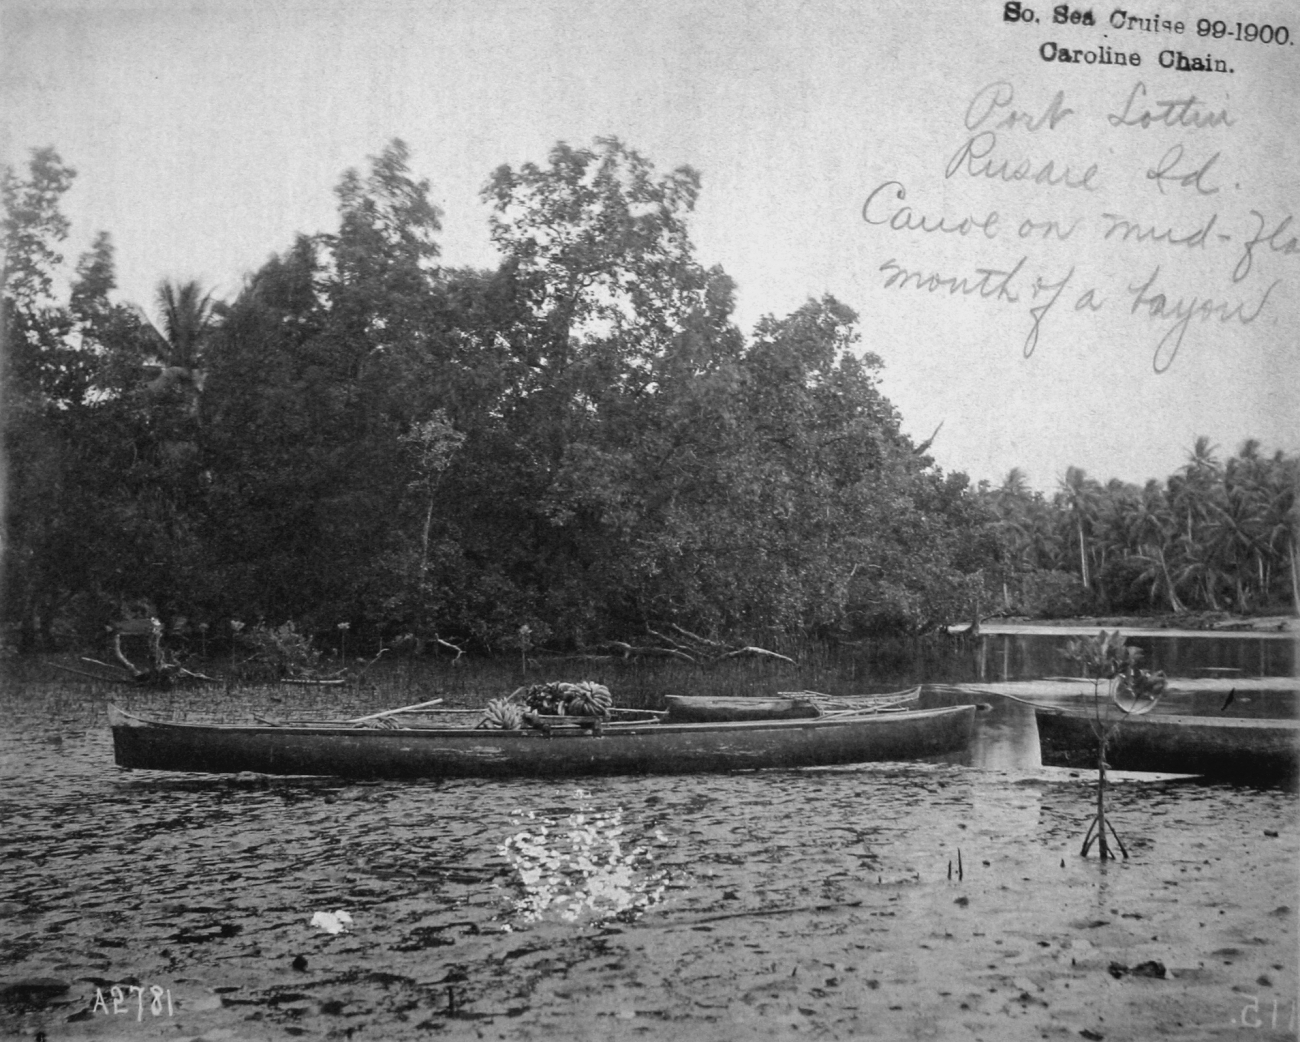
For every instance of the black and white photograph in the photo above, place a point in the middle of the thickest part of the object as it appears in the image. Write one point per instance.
(687, 521)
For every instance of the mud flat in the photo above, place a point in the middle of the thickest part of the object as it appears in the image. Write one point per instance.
(1193, 937)
(909, 901)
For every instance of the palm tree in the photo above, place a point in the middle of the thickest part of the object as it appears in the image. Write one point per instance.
(1078, 496)
(189, 317)
(1045, 549)
(1198, 569)
(1153, 527)
(1196, 483)
(1011, 505)
(1239, 525)
(1201, 458)
(1194, 493)
(1114, 507)
(1281, 520)
(1015, 486)
(1234, 541)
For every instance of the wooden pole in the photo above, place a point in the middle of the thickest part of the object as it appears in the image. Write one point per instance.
(390, 712)
(1103, 847)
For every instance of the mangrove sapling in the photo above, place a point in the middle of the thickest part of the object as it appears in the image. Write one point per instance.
(525, 631)
(279, 655)
(1129, 691)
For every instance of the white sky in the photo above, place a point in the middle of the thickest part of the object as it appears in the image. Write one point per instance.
(207, 134)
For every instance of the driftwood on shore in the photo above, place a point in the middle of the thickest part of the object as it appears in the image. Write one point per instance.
(689, 647)
(162, 671)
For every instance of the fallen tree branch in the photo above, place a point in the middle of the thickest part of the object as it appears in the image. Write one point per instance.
(650, 651)
(762, 652)
(695, 648)
(97, 662)
(696, 637)
(666, 639)
(448, 644)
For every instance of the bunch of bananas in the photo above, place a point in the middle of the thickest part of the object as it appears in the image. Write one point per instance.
(501, 715)
(546, 699)
(589, 699)
(558, 698)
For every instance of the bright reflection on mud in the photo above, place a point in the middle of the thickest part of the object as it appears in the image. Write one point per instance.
(581, 868)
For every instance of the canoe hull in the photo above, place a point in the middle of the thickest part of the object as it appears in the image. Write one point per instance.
(141, 744)
(701, 709)
(1227, 748)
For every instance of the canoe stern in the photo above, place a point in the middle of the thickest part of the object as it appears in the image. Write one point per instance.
(1253, 751)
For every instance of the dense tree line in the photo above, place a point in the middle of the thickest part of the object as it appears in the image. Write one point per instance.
(1216, 536)
(580, 441)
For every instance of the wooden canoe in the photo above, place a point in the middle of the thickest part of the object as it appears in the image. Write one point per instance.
(1229, 748)
(793, 705)
(451, 752)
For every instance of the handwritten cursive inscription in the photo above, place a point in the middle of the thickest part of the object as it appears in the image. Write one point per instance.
(904, 218)
(1131, 231)
(993, 283)
(1172, 112)
(1040, 312)
(1083, 258)
(1169, 169)
(1182, 311)
(972, 159)
(998, 96)
(1276, 240)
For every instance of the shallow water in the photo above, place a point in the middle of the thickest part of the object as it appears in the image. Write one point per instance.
(923, 900)
(1009, 657)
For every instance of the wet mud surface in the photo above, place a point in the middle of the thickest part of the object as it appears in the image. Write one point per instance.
(917, 901)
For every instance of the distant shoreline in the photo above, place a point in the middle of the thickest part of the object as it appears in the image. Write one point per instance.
(1277, 627)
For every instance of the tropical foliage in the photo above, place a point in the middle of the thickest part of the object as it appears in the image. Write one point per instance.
(574, 446)
(1216, 536)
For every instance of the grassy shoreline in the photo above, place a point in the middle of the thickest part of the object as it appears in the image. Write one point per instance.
(634, 683)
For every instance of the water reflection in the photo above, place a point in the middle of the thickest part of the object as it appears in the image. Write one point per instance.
(1006, 737)
(584, 867)
(1018, 656)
